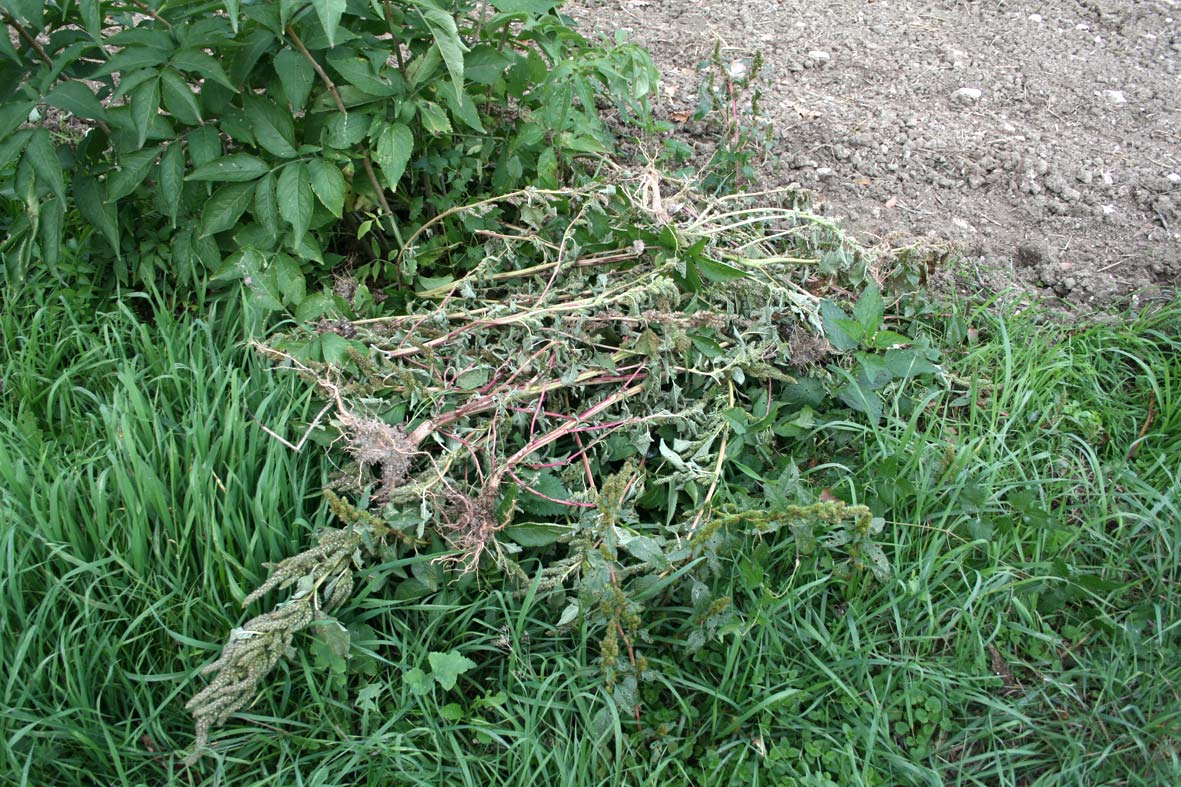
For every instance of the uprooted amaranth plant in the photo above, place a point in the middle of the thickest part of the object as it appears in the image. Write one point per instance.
(575, 412)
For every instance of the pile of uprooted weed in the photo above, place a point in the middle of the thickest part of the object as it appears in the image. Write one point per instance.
(565, 414)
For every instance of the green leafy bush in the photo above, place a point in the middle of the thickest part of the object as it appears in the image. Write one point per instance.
(270, 141)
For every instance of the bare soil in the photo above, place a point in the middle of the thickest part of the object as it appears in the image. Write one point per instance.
(1042, 138)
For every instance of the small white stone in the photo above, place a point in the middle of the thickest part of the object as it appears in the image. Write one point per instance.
(1174, 177)
(1115, 96)
(737, 69)
(1108, 210)
(820, 56)
(1037, 18)
(824, 173)
(967, 94)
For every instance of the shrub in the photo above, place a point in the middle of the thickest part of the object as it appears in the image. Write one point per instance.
(270, 141)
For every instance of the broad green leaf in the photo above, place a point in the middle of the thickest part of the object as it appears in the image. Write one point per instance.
(202, 64)
(233, 9)
(289, 279)
(172, 171)
(447, 667)
(329, 12)
(525, 6)
(833, 319)
(145, 105)
(863, 400)
(344, 130)
(133, 168)
(869, 309)
(43, 158)
(328, 184)
(204, 145)
(53, 214)
(133, 58)
(13, 114)
(718, 271)
(885, 339)
(645, 549)
(77, 99)
(446, 36)
(225, 207)
(295, 198)
(533, 499)
(314, 306)
(416, 680)
(358, 72)
(296, 75)
(464, 109)
(266, 206)
(91, 17)
(434, 119)
(234, 168)
(904, 363)
(88, 198)
(178, 98)
(485, 64)
(535, 534)
(273, 127)
(394, 145)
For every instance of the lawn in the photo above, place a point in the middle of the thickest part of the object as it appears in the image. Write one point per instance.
(1029, 634)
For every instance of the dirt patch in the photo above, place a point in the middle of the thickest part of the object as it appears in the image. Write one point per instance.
(1041, 137)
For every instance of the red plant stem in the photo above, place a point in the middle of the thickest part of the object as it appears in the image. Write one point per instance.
(561, 431)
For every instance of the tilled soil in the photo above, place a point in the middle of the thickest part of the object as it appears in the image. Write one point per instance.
(1042, 138)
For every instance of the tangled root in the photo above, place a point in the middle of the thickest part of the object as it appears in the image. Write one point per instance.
(469, 525)
(374, 443)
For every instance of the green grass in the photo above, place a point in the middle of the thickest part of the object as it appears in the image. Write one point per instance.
(139, 502)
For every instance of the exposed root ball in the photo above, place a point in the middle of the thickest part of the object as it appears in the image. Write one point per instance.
(469, 525)
(374, 443)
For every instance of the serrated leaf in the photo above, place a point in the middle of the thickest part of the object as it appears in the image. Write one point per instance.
(273, 127)
(314, 306)
(234, 168)
(145, 105)
(447, 667)
(133, 168)
(833, 318)
(179, 99)
(417, 681)
(328, 184)
(550, 486)
(344, 130)
(446, 35)
(295, 198)
(465, 109)
(225, 207)
(869, 309)
(77, 99)
(330, 12)
(266, 206)
(859, 398)
(394, 145)
(90, 203)
(43, 158)
(433, 118)
(296, 75)
(645, 549)
(289, 279)
(485, 64)
(202, 64)
(172, 172)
